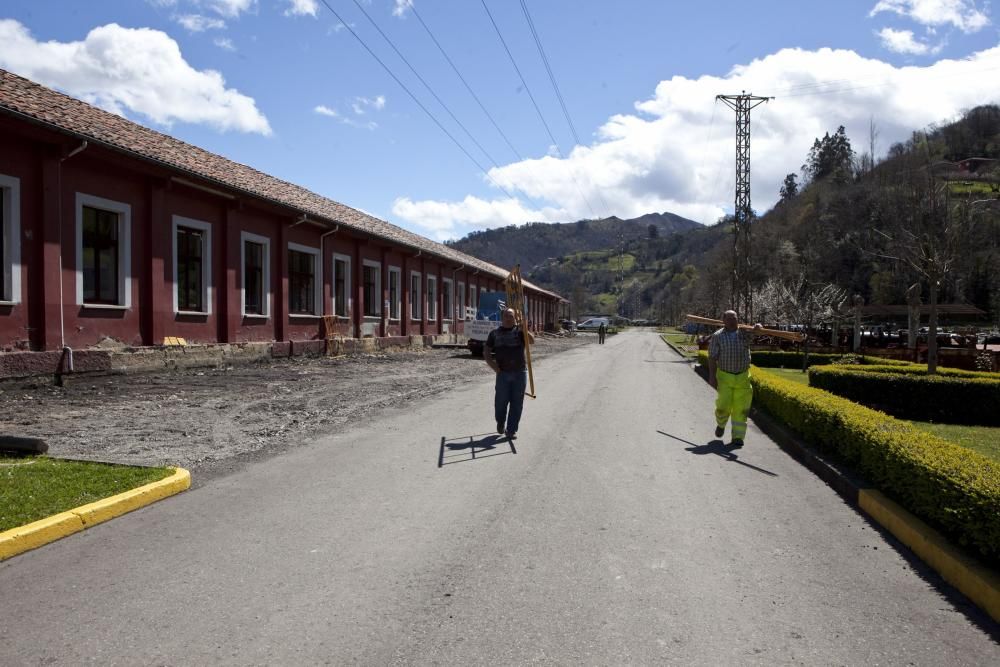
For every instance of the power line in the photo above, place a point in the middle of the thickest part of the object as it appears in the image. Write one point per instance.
(527, 88)
(555, 86)
(414, 98)
(426, 85)
(510, 145)
(548, 68)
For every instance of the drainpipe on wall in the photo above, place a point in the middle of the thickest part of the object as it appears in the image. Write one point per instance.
(454, 320)
(66, 349)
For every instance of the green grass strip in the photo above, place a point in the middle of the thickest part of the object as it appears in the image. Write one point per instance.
(32, 488)
(982, 439)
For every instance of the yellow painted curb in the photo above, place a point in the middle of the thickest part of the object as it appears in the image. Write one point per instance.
(976, 582)
(38, 533)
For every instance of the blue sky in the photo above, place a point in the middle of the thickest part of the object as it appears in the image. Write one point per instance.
(286, 87)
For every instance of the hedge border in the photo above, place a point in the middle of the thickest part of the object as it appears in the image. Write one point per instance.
(953, 396)
(952, 488)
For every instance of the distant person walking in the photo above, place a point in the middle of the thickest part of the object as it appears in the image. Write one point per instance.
(602, 332)
(507, 343)
(729, 372)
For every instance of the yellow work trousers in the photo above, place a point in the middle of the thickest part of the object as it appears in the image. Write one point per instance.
(735, 396)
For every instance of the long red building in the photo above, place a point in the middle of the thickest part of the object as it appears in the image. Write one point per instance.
(113, 231)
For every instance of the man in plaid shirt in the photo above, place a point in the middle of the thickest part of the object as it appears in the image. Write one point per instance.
(729, 372)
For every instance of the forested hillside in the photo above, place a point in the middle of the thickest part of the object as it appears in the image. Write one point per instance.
(536, 242)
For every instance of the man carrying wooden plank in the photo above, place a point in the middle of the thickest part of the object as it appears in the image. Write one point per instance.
(729, 372)
(508, 342)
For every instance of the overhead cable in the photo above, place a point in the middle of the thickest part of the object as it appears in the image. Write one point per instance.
(415, 99)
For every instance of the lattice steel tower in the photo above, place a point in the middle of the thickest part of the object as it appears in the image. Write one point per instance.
(742, 297)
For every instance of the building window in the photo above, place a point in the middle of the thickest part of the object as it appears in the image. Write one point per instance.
(395, 278)
(446, 302)
(461, 301)
(371, 274)
(10, 239)
(304, 280)
(432, 297)
(473, 301)
(103, 244)
(256, 274)
(192, 265)
(341, 285)
(416, 296)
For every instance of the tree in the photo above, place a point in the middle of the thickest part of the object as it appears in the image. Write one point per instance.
(789, 188)
(930, 232)
(653, 231)
(830, 156)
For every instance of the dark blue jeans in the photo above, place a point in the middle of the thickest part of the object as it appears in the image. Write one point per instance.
(510, 391)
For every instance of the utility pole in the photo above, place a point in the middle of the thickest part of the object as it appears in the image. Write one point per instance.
(742, 297)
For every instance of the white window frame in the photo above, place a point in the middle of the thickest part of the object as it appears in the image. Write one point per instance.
(460, 300)
(396, 309)
(206, 264)
(337, 257)
(417, 302)
(265, 278)
(317, 279)
(432, 298)
(10, 217)
(124, 286)
(372, 264)
(447, 288)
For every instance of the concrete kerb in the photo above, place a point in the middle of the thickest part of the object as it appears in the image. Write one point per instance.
(38, 533)
(978, 583)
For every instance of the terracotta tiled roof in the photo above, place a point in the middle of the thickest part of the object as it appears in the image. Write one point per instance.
(25, 98)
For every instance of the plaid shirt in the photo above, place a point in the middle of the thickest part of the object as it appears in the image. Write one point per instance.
(731, 350)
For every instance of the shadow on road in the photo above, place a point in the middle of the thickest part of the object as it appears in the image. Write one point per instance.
(718, 448)
(473, 447)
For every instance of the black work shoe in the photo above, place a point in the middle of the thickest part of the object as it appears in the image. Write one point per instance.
(512, 435)
(719, 430)
(499, 428)
(737, 443)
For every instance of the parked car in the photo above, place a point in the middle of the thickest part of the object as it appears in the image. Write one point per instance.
(593, 323)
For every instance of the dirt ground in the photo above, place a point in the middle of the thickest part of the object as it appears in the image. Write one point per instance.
(214, 421)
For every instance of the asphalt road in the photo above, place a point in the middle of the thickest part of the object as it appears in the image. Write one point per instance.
(620, 532)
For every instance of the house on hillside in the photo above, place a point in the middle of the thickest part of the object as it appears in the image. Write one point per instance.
(113, 232)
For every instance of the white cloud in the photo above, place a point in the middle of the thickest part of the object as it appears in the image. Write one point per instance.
(361, 105)
(230, 8)
(903, 41)
(326, 111)
(199, 23)
(399, 10)
(442, 219)
(224, 43)
(302, 8)
(961, 14)
(676, 152)
(140, 70)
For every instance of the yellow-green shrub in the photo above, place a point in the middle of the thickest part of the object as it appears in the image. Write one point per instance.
(952, 396)
(951, 487)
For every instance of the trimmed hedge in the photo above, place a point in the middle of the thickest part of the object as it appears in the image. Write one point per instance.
(782, 359)
(953, 488)
(952, 396)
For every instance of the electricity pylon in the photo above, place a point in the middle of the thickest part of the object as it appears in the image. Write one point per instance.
(742, 296)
